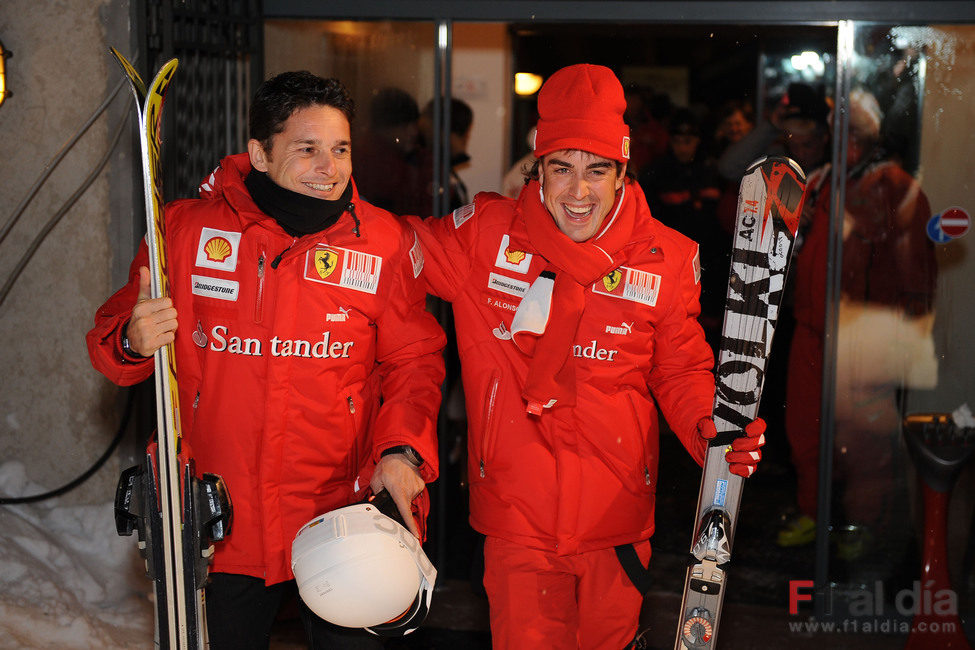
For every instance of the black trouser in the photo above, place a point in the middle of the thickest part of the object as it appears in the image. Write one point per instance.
(241, 611)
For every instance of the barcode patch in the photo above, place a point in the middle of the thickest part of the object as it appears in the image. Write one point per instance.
(630, 284)
(641, 286)
(361, 271)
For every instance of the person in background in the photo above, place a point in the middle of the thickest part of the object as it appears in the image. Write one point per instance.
(461, 123)
(309, 371)
(888, 282)
(514, 179)
(736, 119)
(386, 156)
(647, 115)
(576, 315)
(797, 127)
(683, 189)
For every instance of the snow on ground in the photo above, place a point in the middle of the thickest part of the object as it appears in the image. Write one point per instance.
(67, 580)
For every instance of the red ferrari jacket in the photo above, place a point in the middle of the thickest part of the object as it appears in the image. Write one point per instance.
(583, 477)
(299, 360)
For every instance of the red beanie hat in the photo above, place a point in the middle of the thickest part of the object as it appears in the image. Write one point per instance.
(581, 107)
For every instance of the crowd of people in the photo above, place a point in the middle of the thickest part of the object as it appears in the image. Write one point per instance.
(595, 292)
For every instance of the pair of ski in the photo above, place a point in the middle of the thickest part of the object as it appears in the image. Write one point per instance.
(175, 512)
(769, 206)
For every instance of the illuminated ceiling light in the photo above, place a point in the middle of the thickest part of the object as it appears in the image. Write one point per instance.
(4, 93)
(527, 83)
(808, 61)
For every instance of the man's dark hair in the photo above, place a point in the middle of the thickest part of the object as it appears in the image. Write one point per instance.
(277, 98)
(461, 115)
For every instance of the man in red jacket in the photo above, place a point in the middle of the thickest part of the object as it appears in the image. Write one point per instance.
(308, 367)
(576, 314)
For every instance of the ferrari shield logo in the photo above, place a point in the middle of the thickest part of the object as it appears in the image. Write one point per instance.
(325, 262)
(612, 279)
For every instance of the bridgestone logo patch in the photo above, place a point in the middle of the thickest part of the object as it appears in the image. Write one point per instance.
(218, 288)
(507, 285)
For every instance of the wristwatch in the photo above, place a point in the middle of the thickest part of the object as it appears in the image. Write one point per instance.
(411, 455)
(127, 347)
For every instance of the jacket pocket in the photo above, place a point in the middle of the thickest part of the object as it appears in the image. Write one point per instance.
(488, 427)
(646, 458)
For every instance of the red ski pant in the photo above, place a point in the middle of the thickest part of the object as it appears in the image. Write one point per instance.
(542, 600)
(803, 401)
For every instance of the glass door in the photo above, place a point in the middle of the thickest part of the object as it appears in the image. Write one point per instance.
(898, 429)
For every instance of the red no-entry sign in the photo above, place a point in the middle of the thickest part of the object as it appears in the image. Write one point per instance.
(955, 222)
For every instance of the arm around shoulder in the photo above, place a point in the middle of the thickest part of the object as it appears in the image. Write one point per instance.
(448, 243)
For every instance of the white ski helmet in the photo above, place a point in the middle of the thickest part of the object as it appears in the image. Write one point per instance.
(356, 567)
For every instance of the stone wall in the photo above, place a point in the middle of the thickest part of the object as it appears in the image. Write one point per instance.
(57, 415)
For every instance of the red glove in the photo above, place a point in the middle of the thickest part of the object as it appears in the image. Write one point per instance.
(745, 451)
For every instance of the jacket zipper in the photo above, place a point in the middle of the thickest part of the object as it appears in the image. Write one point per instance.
(488, 421)
(259, 302)
(355, 444)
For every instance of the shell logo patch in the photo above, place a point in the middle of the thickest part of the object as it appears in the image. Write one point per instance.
(356, 270)
(325, 262)
(512, 259)
(630, 284)
(218, 249)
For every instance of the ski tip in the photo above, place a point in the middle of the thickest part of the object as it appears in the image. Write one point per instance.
(768, 162)
(755, 165)
(135, 80)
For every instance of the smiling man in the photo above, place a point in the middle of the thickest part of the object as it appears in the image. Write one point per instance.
(309, 369)
(576, 314)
